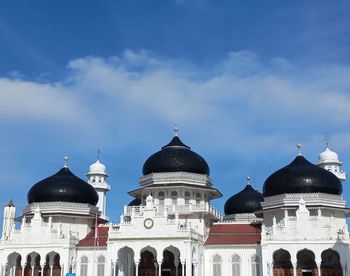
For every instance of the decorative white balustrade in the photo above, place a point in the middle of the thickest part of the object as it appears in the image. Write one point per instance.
(162, 210)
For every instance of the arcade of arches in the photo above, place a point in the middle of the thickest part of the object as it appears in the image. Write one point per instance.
(32, 265)
(149, 264)
(306, 264)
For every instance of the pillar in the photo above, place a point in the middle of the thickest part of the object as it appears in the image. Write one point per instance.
(295, 269)
(159, 268)
(33, 267)
(51, 270)
(195, 270)
(318, 269)
(136, 268)
(23, 265)
(114, 268)
(42, 266)
(183, 267)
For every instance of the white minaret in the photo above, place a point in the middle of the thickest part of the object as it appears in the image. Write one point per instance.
(329, 160)
(97, 177)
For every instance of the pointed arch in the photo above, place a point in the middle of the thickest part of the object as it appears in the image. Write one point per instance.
(330, 264)
(306, 261)
(282, 265)
(255, 261)
(217, 265)
(84, 262)
(101, 260)
(236, 265)
(126, 258)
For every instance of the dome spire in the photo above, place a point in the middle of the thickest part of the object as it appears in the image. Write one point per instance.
(327, 141)
(248, 180)
(65, 158)
(299, 149)
(176, 130)
(98, 153)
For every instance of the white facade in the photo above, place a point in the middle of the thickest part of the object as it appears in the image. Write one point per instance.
(167, 233)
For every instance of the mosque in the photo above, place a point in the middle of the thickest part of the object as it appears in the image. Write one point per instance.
(297, 226)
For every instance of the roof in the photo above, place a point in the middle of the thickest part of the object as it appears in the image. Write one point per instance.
(246, 201)
(63, 186)
(101, 239)
(175, 157)
(234, 234)
(301, 176)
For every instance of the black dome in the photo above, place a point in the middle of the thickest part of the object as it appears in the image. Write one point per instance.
(135, 202)
(175, 157)
(246, 201)
(301, 176)
(63, 186)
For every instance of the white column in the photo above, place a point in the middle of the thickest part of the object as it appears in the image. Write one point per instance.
(318, 269)
(51, 268)
(114, 268)
(295, 269)
(195, 270)
(137, 268)
(159, 268)
(183, 267)
(42, 265)
(33, 266)
(23, 265)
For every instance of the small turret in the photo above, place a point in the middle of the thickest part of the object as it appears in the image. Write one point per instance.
(329, 161)
(8, 225)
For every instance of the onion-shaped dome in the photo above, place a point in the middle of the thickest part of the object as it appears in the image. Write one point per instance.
(97, 168)
(246, 201)
(301, 176)
(63, 186)
(175, 157)
(328, 156)
(135, 202)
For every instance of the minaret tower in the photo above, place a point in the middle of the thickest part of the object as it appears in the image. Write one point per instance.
(329, 160)
(97, 177)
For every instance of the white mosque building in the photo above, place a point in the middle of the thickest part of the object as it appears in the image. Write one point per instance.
(297, 226)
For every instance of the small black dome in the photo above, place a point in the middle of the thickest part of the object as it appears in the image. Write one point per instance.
(301, 176)
(135, 202)
(63, 186)
(246, 201)
(175, 157)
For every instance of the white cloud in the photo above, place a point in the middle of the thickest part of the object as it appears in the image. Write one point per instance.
(250, 101)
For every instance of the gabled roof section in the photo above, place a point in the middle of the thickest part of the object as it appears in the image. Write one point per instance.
(100, 240)
(227, 234)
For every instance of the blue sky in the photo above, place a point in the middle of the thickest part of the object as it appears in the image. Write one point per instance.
(245, 81)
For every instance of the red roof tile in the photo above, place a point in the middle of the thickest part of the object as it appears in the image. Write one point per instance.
(234, 234)
(90, 240)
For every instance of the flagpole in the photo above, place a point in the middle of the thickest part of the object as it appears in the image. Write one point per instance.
(95, 237)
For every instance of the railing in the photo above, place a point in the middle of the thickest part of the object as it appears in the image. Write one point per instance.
(173, 209)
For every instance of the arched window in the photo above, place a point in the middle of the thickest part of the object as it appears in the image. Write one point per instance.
(187, 198)
(198, 198)
(84, 266)
(236, 265)
(174, 197)
(255, 265)
(161, 198)
(100, 266)
(217, 265)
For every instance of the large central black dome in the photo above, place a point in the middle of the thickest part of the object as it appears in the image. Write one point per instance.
(175, 157)
(63, 186)
(301, 176)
